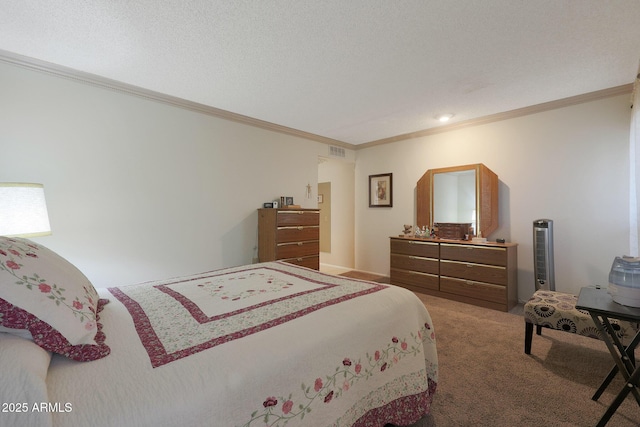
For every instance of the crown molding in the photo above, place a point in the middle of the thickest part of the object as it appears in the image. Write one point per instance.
(538, 108)
(114, 85)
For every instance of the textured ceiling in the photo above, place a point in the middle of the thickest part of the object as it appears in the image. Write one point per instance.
(352, 70)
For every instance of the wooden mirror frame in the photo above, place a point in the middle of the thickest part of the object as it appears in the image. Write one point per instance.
(486, 197)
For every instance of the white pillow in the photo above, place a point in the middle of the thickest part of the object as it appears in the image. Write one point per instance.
(45, 294)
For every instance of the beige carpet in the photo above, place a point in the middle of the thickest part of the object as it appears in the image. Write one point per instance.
(487, 380)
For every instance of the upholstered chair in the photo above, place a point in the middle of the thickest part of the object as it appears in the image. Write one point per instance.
(557, 310)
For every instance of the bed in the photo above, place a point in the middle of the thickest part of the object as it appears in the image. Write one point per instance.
(264, 344)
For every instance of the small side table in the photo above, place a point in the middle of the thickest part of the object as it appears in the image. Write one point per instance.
(601, 307)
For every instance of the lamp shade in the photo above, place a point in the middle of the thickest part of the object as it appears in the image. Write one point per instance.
(23, 210)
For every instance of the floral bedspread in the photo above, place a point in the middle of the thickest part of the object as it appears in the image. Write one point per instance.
(213, 308)
(266, 344)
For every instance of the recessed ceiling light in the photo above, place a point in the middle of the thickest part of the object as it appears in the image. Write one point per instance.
(444, 117)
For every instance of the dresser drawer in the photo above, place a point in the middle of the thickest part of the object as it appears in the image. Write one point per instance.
(410, 262)
(294, 217)
(291, 235)
(469, 288)
(415, 247)
(307, 261)
(414, 279)
(484, 274)
(467, 270)
(297, 249)
(297, 233)
(475, 254)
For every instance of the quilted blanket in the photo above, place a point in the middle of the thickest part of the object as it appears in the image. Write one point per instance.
(266, 344)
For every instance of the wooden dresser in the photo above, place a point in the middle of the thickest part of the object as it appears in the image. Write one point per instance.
(483, 274)
(291, 235)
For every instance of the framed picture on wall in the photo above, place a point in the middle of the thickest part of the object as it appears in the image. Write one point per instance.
(380, 190)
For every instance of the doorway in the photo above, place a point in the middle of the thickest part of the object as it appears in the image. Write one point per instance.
(324, 204)
(337, 218)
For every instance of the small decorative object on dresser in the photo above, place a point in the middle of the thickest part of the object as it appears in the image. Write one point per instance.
(291, 235)
(483, 274)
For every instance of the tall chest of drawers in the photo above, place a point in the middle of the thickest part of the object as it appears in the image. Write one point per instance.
(483, 274)
(291, 235)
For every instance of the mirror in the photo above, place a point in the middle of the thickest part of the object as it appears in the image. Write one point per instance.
(454, 197)
(459, 195)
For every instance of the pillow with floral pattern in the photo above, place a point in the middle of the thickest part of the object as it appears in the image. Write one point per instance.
(45, 294)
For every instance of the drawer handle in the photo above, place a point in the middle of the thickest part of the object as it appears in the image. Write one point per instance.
(300, 228)
(300, 243)
(469, 265)
(300, 212)
(299, 259)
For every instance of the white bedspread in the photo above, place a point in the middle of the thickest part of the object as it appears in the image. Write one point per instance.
(264, 344)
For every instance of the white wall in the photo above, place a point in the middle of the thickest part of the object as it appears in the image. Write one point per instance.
(341, 174)
(139, 190)
(569, 165)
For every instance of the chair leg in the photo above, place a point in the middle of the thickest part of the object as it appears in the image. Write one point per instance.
(528, 336)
